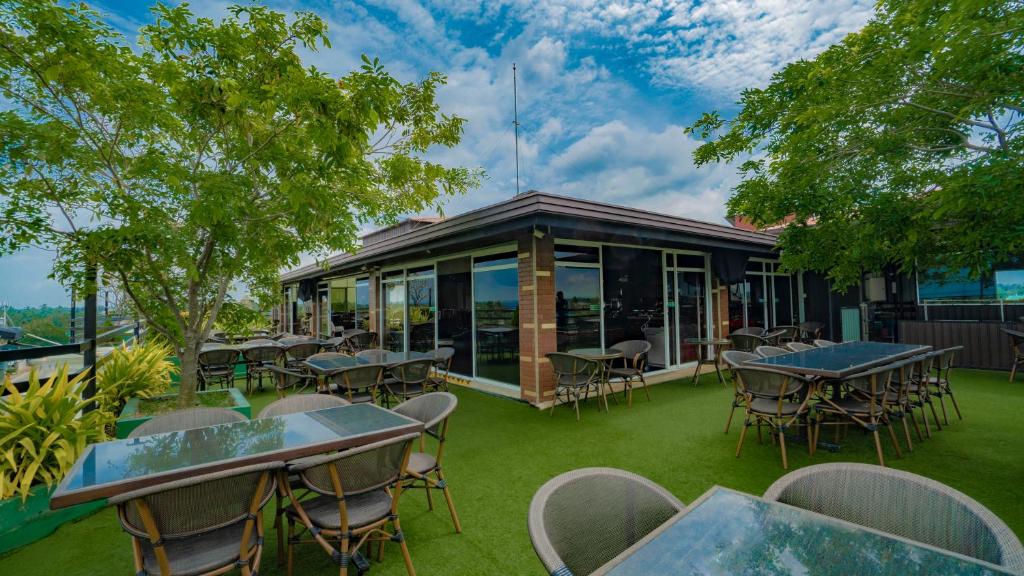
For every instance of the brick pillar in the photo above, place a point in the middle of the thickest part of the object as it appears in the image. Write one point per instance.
(537, 334)
(374, 285)
(720, 299)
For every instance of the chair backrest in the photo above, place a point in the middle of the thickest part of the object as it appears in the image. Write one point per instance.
(373, 356)
(362, 340)
(736, 358)
(413, 371)
(198, 504)
(571, 365)
(301, 403)
(360, 470)
(286, 378)
(325, 356)
(634, 351)
(302, 350)
(262, 354)
(745, 342)
(767, 351)
(333, 344)
(810, 330)
(218, 357)
(873, 384)
(350, 332)
(186, 420)
(581, 519)
(947, 357)
(823, 343)
(773, 336)
(358, 378)
(443, 355)
(751, 330)
(903, 504)
(787, 332)
(798, 346)
(431, 409)
(767, 382)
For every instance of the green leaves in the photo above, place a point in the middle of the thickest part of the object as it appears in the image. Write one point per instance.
(901, 144)
(209, 156)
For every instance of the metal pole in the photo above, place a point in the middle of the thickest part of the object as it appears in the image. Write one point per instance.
(515, 122)
(89, 358)
(71, 333)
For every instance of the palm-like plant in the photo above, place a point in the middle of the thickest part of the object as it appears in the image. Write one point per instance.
(139, 371)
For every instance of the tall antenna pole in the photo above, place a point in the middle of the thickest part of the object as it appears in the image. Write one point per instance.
(515, 122)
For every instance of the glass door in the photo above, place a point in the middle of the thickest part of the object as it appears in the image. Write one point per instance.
(577, 297)
(393, 334)
(496, 317)
(422, 308)
(687, 305)
(324, 311)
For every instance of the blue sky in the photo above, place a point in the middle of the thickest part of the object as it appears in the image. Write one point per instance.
(605, 88)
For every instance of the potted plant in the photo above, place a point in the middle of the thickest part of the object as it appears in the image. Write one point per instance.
(134, 384)
(43, 430)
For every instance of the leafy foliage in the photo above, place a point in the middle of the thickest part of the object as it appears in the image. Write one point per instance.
(900, 145)
(207, 156)
(140, 371)
(42, 433)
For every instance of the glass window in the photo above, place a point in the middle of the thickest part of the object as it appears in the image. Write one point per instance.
(1010, 285)
(455, 312)
(362, 315)
(633, 299)
(690, 261)
(579, 254)
(420, 272)
(503, 259)
(936, 284)
(343, 303)
(420, 288)
(496, 305)
(691, 309)
(394, 316)
(578, 307)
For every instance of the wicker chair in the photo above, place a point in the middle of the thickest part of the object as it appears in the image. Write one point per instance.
(824, 343)
(361, 340)
(774, 336)
(574, 376)
(443, 357)
(373, 356)
(734, 359)
(258, 360)
(899, 403)
(296, 353)
(634, 360)
(301, 403)
(788, 333)
(798, 346)
(410, 379)
(335, 344)
(356, 497)
(204, 525)
(768, 351)
(866, 406)
(903, 504)
(582, 519)
(424, 470)
(186, 419)
(217, 365)
(810, 331)
(768, 395)
(359, 384)
(752, 330)
(1016, 350)
(745, 342)
(918, 372)
(939, 383)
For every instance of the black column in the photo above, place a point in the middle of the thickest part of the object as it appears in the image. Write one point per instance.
(89, 358)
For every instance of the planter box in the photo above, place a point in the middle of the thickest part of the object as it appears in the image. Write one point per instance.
(24, 523)
(130, 418)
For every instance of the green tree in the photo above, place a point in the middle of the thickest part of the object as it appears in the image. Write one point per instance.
(205, 156)
(899, 145)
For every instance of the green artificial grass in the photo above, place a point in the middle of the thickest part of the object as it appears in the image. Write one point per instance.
(500, 451)
(164, 404)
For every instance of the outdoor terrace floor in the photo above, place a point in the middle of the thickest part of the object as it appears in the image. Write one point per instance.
(500, 451)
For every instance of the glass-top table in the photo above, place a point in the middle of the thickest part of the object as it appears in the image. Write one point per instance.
(119, 466)
(324, 365)
(841, 360)
(728, 532)
(707, 353)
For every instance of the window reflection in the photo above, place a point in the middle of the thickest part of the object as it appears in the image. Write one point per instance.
(420, 289)
(496, 306)
(578, 307)
(455, 313)
(633, 293)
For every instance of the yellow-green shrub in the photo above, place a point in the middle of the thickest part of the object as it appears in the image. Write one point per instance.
(42, 432)
(139, 371)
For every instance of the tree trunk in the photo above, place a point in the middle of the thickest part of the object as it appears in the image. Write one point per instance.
(189, 355)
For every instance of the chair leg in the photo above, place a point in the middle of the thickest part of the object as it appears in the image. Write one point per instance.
(291, 546)
(430, 499)
(1013, 370)
(782, 447)
(906, 431)
(405, 551)
(927, 426)
(451, 504)
(935, 414)
(917, 429)
(878, 447)
(955, 407)
(743, 433)
(731, 412)
(576, 404)
(895, 442)
(643, 381)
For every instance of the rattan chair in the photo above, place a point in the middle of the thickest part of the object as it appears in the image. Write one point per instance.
(361, 340)
(768, 351)
(745, 342)
(634, 360)
(373, 356)
(824, 343)
(1016, 351)
(285, 380)
(296, 353)
(408, 380)
(788, 333)
(203, 525)
(334, 344)
(301, 403)
(939, 382)
(258, 360)
(810, 331)
(359, 384)
(769, 395)
(575, 376)
(186, 419)
(774, 336)
(918, 391)
(899, 403)
(424, 470)
(443, 358)
(582, 519)
(217, 365)
(751, 330)
(798, 346)
(355, 496)
(734, 359)
(866, 406)
(903, 504)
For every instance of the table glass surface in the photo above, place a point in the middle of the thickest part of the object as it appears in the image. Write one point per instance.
(841, 357)
(597, 352)
(734, 533)
(708, 341)
(330, 363)
(133, 458)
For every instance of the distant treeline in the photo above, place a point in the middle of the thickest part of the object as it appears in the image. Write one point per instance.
(52, 323)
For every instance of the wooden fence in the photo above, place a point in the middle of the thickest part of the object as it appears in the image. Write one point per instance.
(985, 344)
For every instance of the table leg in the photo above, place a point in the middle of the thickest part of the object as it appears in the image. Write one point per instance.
(700, 361)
